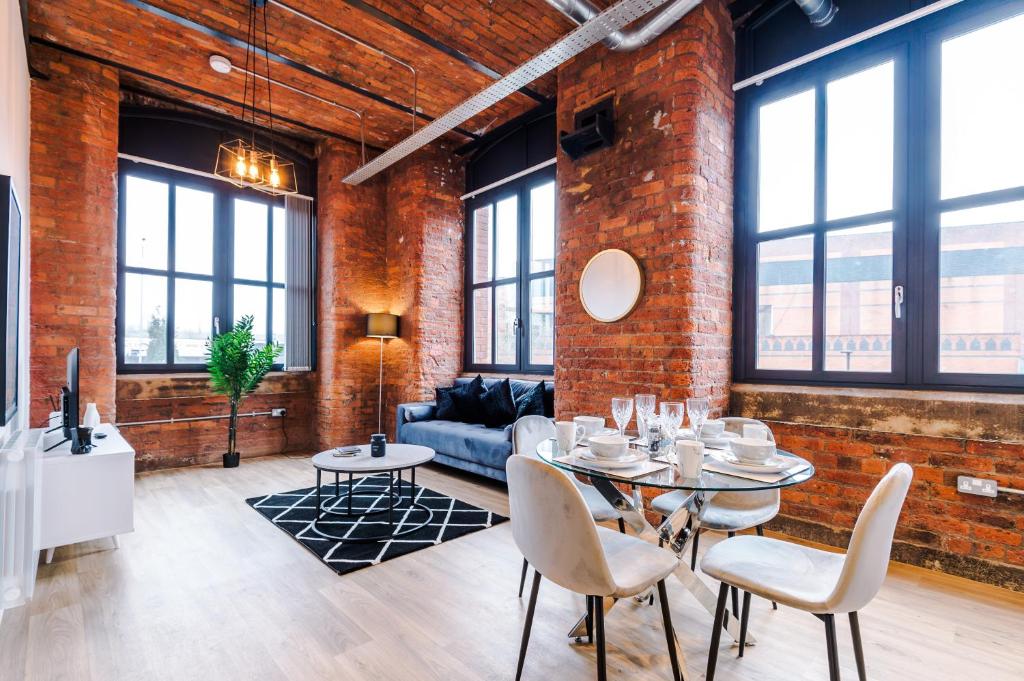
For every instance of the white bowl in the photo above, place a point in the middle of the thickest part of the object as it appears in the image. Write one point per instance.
(713, 428)
(609, 446)
(751, 450)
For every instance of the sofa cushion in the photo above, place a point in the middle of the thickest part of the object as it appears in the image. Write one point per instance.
(549, 400)
(467, 400)
(445, 404)
(419, 412)
(467, 441)
(531, 403)
(497, 405)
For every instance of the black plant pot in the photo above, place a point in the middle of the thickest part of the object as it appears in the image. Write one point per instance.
(231, 460)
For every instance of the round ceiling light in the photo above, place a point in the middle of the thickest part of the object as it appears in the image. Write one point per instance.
(220, 64)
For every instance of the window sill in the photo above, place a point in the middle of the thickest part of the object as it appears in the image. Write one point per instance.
(196, 384)
(937, 413)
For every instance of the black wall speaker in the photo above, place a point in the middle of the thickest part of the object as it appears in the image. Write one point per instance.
(594, 129)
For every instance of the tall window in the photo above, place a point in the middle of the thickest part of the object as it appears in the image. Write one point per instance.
(881, 211)
(510, 306)
(194, 257)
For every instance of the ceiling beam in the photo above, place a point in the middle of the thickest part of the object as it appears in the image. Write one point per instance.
(280, 59)
(426, 39)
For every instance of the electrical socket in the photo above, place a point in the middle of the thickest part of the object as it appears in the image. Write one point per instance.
(278, 413)
(980, 486)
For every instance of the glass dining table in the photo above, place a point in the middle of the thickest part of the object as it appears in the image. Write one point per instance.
(626, 494)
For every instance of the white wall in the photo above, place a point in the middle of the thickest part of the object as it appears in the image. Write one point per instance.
(14, 146)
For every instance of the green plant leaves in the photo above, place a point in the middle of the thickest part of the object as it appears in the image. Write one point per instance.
(236, 364)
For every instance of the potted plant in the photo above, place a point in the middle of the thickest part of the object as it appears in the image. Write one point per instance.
(237, 366)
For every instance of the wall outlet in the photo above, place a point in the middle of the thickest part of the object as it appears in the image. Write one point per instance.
(278, 413)
(980, 486)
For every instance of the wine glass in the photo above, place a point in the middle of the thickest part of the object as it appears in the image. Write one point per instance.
(698, 408)
(645, 405)
(671, 419)
(622, 412)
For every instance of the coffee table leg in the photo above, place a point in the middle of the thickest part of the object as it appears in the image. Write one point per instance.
(399, 486)
(391, 506)
(350, 492)
(317, 496)
(336, 488)
(412, 486)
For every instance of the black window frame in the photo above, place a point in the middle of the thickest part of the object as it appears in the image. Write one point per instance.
(223, 279)
(917, 205)
(520, 188)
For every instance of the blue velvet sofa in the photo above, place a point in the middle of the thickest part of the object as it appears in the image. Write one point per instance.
(471, 447)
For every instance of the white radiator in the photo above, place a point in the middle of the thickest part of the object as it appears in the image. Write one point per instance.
(18, 475)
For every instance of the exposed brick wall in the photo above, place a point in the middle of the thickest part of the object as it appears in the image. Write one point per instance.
(146, 398)
(853, 446)
(663, 193)
(73, 228)
(352, 282)
(425, 231)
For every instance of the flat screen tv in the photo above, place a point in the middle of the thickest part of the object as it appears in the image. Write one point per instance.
(10, 276)
(69, 402)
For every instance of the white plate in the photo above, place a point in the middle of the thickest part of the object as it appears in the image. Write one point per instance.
(776, 464)
(719, 442)
(625, 462)
(603, 431)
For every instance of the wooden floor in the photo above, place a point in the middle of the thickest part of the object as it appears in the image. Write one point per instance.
(207, 589)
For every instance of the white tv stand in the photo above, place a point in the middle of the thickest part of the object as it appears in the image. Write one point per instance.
(82, 497)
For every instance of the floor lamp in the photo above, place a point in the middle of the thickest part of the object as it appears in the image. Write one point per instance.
(381, 325)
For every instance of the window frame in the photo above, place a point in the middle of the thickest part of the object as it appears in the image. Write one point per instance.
(222, 279)
(521, 189)
(915, 214)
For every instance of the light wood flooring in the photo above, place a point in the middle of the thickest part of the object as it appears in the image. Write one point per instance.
(207, 589)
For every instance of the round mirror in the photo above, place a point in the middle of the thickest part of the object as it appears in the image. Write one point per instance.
(610, 286)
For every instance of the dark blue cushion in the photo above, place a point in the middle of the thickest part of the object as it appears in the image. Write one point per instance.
(467, 400)
(497, 405)
(445, 405)
(531, 403)
(466, 441)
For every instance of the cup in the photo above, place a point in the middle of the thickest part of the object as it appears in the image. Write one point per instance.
(713, 428)
(378, 445)
(567, 432)
(756, 431)
(690, 458)
(591, 424)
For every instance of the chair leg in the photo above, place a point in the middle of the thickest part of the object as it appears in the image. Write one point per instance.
(760, 533)
(522, 577)
(622, 525)
(529, 624)
(735, 591)
(833, 648)
(590, 620)
(716, 631)
(693, 550)
(858, 649)
(744, 618)
(602, 671)
(670, 635)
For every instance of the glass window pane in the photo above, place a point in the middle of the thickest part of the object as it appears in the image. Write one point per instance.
(861, 119)
(785, 270)
(250, 240)
(504, 324)
(145, 319)
(981, 290)
(280, 320)
(542, 228)
(507, 235)
(542, 321)
(145, 230)
(483, 229)
(193, 231)
(786, 163)
(858, 299)
(482, 326)
(982, 109)
(252, 300)
(193, 319)
(280, 249)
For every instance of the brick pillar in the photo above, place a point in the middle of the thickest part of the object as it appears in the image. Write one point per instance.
(425, 266)
(73, 229)
(351, 279)
(663, 193)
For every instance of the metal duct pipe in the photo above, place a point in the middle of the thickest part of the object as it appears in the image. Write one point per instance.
(820, 12)
(581, 11)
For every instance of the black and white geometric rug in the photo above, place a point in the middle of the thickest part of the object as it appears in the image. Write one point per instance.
(294, 511)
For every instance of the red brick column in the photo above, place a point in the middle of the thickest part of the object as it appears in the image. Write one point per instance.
(352, 282)
(73, 229)
(425, 275)
(663, 193)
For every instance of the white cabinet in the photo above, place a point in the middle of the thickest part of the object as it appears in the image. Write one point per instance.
(85, 496)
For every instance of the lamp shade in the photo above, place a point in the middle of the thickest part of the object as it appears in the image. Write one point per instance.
(382, 325)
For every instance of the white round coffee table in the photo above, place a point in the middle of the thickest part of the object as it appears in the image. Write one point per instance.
(397, 458)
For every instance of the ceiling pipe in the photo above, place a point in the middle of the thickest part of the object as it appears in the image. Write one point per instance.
(820, 12)
(582, 11)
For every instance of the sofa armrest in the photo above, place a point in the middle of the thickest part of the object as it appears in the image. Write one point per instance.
(411, 412)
